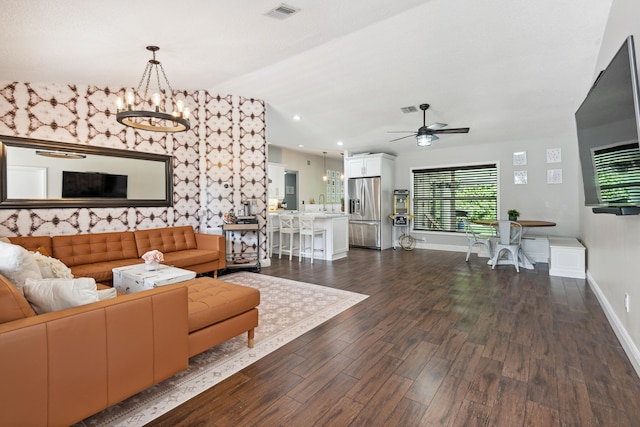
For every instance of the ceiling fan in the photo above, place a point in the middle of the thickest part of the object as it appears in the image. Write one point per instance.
(427, 134)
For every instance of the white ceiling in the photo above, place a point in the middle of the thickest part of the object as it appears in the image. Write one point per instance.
(506, 69)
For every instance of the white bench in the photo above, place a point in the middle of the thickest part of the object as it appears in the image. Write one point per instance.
(567, 257)
(536, 248)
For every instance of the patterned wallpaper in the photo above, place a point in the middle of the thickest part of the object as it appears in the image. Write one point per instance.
(217, 164)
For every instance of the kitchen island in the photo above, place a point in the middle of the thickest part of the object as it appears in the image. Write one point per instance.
(336, 227)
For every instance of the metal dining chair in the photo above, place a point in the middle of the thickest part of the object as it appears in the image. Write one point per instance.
(474, 237)
(509, 238)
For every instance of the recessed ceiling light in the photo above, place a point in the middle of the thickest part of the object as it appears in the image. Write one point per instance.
(296, 117)
(340, 143)
(300, 145)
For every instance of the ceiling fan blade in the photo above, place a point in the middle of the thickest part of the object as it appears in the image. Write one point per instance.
(434, 138)
(403, 137)
(436, 126)
(455, 130)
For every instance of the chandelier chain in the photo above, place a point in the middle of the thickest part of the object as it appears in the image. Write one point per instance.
(146, 87)
(166, 79)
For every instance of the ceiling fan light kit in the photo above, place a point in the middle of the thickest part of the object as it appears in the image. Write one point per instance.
(155, 119)
(427, 134)
(425, 140)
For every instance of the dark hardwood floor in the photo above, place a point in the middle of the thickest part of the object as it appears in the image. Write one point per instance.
(438, 342)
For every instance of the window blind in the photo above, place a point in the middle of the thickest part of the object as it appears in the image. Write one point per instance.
(443, 198)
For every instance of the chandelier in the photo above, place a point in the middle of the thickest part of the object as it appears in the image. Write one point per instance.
(140, 112)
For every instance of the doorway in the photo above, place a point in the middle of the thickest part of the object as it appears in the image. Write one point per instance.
(290, 201)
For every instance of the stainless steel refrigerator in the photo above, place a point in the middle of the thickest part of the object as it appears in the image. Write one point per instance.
(364, 212)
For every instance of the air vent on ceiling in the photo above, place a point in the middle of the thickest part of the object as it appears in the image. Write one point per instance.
(282, 11)
(410, 109)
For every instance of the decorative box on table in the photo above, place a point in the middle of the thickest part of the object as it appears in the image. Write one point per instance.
(136, 278)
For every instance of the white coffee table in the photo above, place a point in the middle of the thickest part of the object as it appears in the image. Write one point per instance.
(136, 278)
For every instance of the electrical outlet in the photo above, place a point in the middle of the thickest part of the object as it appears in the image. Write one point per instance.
(626, 302)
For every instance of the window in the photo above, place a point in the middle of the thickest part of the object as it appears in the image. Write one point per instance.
(443, 198)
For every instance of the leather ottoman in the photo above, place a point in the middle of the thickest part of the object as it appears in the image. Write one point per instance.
(219, 311)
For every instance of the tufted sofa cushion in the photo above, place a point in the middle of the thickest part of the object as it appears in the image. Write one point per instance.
(93, 248)
(40, 244)
(94, 255)
(212, 301)
(166, 239)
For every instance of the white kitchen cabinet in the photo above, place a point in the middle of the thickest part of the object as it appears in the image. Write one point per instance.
(336, 227)
(275, 175)
(362, 166)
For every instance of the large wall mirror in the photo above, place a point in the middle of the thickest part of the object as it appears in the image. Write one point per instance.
(45, 174)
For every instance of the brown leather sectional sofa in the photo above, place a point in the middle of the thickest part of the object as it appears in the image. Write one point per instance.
(60, 367)
(95, 255)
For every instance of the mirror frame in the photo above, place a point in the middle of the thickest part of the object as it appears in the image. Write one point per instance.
(11, 141)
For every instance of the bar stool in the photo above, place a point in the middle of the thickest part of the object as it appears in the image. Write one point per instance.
(307, 229)
(273, 227)
(288, 227)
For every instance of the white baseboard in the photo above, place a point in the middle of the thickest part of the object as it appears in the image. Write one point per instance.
(441, 247)
(628, 345)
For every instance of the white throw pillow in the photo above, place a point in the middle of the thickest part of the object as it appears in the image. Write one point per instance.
(17, 264)
(47, 295)
(104, 294)
(51, 267)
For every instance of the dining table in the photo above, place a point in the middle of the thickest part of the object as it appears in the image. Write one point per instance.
(526, 225)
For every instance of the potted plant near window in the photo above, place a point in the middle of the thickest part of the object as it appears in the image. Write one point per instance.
(513, 214)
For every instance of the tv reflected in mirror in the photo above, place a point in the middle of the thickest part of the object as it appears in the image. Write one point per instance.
(93, 184)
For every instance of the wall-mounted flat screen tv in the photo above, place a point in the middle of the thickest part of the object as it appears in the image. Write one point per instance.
(607, 124)
(93, 184)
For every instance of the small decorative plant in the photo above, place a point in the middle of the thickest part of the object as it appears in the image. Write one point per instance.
(513, 214)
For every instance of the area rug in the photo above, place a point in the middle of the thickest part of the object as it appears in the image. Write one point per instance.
(287, 309)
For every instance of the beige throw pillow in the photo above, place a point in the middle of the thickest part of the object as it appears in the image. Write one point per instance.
(52, 267)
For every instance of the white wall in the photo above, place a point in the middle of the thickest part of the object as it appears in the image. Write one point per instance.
(535, 200)
(613, 243)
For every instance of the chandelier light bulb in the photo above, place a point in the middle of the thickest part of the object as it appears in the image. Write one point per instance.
(130, 98)
(155, 98)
